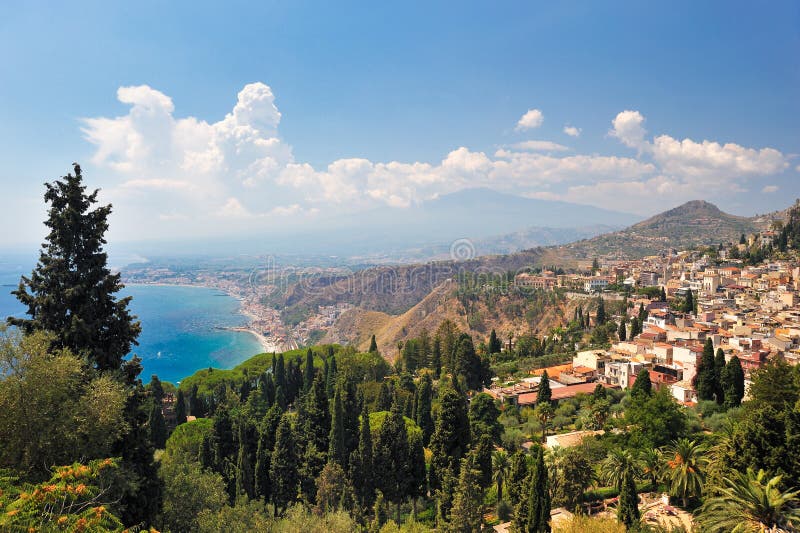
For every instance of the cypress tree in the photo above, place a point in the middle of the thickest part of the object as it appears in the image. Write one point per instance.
(180, 408)
(719, 367)
(308, 375)
(482, 453)
(545, 394)
(642, 315)
(533, 511)
(628, 507)
(391, 458)
(706, 375)
(266, 443)
(418, 475)
(516, 478)
(494, 343)
(373, 345)
(467, 513)
(336, 449)
(384, 401)
(314, 417)
(284, 467)
(72, 293)
(642, 387)
(732, 378)
(363, 474)
(663, 296)
(423, 416)
(280, 374)
(156, 389)
(330, 382)
(351, 407)
(450, 438)
(194, 402)
(436, 357)
(600, 318)
(246, 457)
(158, 428)
(621, 330)
(688, 303)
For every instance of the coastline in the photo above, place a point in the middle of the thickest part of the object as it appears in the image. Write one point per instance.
(266, 344)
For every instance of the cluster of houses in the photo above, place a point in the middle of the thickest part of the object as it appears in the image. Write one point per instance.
(751, 312)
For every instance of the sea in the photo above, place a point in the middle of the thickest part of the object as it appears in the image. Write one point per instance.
(182, 327)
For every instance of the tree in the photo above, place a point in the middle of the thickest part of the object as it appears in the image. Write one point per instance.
(642, 387)
(494, 343)
(336, 450)
(308, 372)
(188, 490)
(719, 368)
(732, 383)
(600, 317)
(572, 475)
(72, 292)
(516, 478)
(391, 458)
(423, 416)
(706, 377)
(451, 436)
(467, 513)
(283, 471)
(469, 364)
(544, 413)
(751, 501)
(621, 331)
(533, 512)
(544, 394)
(776, 384)
(333, 489)
(684, 471)
(362, 472)
(483, 418)
(418, 474)
(663, 295)
(501, 465)
(628, 507)
(688, 303)
(266, 442)
(657, 420)
(158, 428)
(617, 464)
(373, 345)
(180, 408)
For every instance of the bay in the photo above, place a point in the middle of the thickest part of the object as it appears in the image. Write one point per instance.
(181, 326)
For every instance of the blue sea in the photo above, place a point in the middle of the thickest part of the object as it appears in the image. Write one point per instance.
(180, 326)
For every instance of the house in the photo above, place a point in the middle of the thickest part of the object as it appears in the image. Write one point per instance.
(594, 359)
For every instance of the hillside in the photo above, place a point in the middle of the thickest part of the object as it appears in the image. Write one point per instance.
(689, 225)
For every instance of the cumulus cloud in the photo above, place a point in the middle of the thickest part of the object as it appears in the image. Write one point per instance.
(237, 172)
(532, 119)
(540, 146)
(628, 128)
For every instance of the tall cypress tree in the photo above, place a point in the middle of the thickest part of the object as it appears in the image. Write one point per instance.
(451, 437)
(284, 467)
(266, 443)
(391, 459)
(308, 375)
(194, 402)
(362, 471)
(719, 367)
(642, 386)
(621, 330)
(628, 507)
(246, 457)
(494, 342)
(180, 408)
(436, 357)
(733, 383)
(467, 513)
(533, 511)
(373, 345)
(423, 416)
(545, 394)
(516, 478)
(600, 318)
(330, 379)
(336, 449)
(706, 375)
(71, 292)
(158, 428)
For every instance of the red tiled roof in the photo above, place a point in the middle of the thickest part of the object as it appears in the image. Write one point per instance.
(560, 393)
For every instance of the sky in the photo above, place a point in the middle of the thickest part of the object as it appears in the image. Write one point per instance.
(214, 119)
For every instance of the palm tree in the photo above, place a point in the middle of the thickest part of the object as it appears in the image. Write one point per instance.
(684, 472)
(650, 461)
(501, 464)
(616, 464)
(750, 502)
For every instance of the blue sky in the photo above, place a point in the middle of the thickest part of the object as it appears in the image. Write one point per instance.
(345, 106)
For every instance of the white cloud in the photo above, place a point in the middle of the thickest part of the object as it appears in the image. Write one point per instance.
(628, 128)
(769, 189)
(224, 176)
(532, 119)
(540, 146)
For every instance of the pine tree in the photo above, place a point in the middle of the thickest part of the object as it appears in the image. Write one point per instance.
(733, 383)
(719, 367)
(706, 376)
(642, 386)
(621, 330)
(628, 506)
(423, 416)
(373, 345)
(494, 343)
(180, 408)
(283, 470)
(308, 374)
(158, 428)
(71, 292)
(545, 394)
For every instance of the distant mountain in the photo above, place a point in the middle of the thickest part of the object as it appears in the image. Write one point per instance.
(692, 224)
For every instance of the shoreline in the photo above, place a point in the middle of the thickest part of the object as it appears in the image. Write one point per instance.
(266, 344)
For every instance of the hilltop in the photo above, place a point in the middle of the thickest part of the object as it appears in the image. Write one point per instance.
(695, 223)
